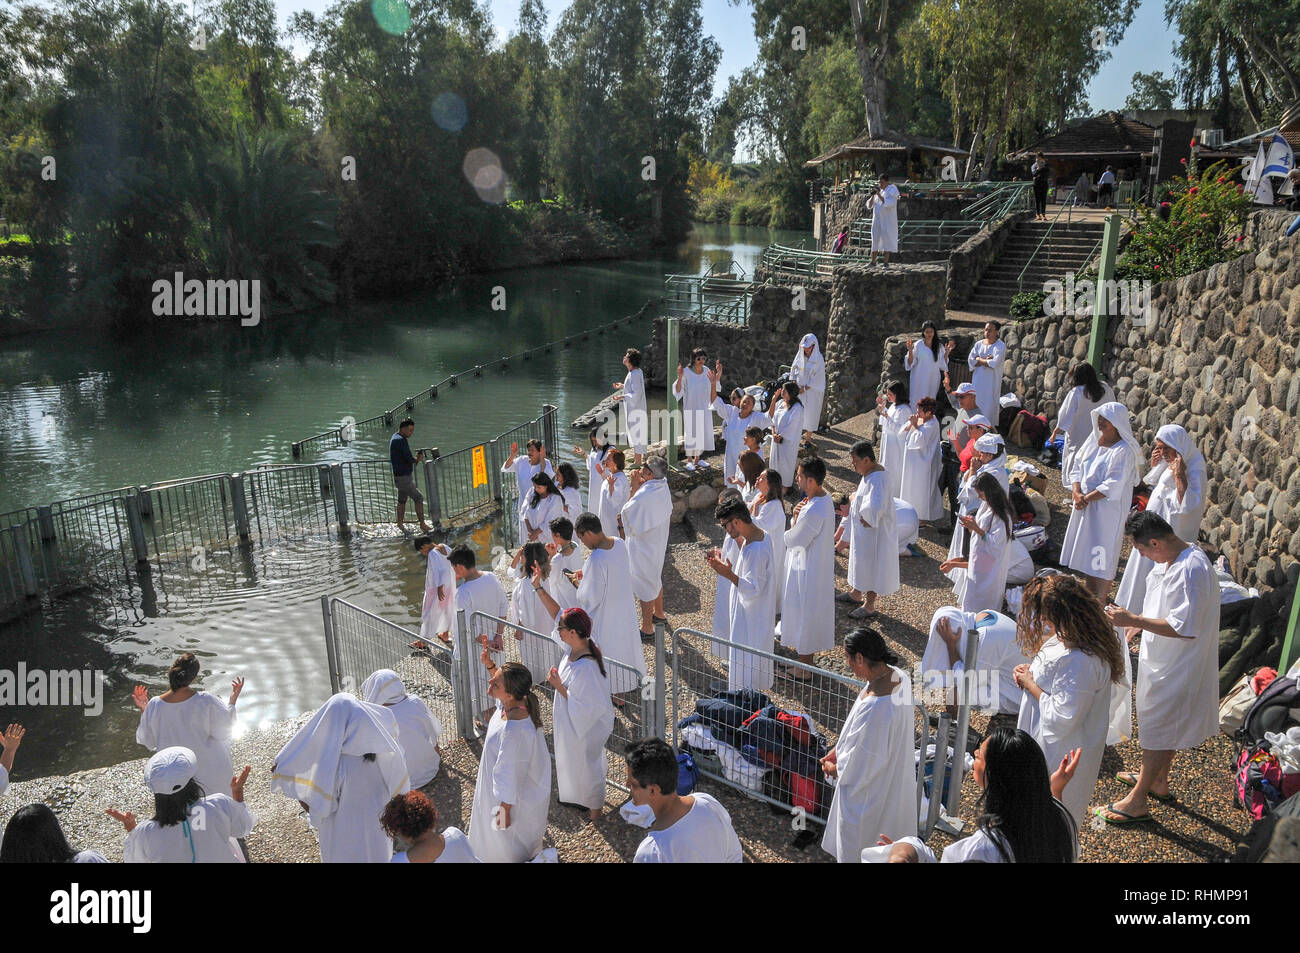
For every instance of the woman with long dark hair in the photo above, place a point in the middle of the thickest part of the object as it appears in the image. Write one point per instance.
(894, 411)
(982, 584)
(769, 516)
(927, 362)
(1076, 657)
(566, 481)
(582, 713)
(921, 462)
(595, 458)
(787, 426)
(1074, 420)
(533, 569)
(34, 836)
(188, 827)
(544, 504)
(513, 789)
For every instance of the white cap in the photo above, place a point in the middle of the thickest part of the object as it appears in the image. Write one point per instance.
(965, 387)
(979, 420)
(808, 340)
(988, 443)
(170, 770)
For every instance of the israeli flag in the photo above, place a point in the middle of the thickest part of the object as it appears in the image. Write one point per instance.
(1281, 159)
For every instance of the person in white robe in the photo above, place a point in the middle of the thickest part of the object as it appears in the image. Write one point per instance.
(986, 359)
(909, 527)
(1178, 664)
(696, 388)
(1177, 478)
(595, 460)
(1075, 661)
(894, 412)
(926, 363)
(525, 466)
(873, 762)
(10, 739)
(411, 819)
(543, 503)
(199, 721)
(636, 416)
(980, 580)
(605, 593)
(541, 652)
(582, 714)
(566, 481)
(687, 829)
(513, 790)
(565, 554)
(188, 826)
(808, 600)
(730, 551)
(872, 531)
(343, 766)
(737, 417)
(419, 731)
(438, 612)
(921, 462)
(752, 600)
(477, 591)
(749, 465)
(646, 519)
(997, 655)
(883, 203)
(614, 491)
(1102, 476)
(987, 455)
(1075, 416)
(769, 513)
(787, 413)
(809, 372)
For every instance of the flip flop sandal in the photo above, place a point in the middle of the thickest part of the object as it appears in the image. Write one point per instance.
(1128, 779)
(647, 636)
(845, 597)
(861, 613)
(1123, 818)
(659, 620)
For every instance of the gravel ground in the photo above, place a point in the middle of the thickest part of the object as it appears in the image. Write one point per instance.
(1201, 825)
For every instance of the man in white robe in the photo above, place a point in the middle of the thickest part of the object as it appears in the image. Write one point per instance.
(884, 219)
(872, 530)
(525, 466)
(751, 609)
(737, 417)
(438, 613)
(986, 359)
(478, 592)
(646, 519)
(1178, 665)
(689, 829)
(605, 594)
(809, 372)
(614, 491)
(996, 656)
(808, 600)
(696, 388)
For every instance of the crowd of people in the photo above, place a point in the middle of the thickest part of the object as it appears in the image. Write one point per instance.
(588, 577)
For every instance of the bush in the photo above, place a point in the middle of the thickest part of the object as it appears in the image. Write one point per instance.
(1028, 304)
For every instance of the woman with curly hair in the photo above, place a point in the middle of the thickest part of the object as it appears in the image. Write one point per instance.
(411, 820)
(1075, 659)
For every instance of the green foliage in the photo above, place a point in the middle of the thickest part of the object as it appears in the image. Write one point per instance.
(1151, 91)
(1028, 304)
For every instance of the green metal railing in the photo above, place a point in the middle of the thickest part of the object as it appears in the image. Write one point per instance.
(721, 294)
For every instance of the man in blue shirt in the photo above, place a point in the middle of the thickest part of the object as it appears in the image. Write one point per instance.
(399, 453)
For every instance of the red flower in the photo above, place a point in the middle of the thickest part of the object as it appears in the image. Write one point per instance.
(1239, 238)
(1156, 267)
(1205, 215)
(1164, 205)
(1221, 179)
(1192, 144)
(1183, 161)
(1193, 190)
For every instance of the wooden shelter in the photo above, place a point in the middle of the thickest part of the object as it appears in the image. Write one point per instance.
(896, 153)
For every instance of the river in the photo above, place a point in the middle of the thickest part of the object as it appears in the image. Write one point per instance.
(81, 413)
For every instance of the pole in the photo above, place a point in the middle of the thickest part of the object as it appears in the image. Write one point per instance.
(1100, 308)
(431, 486)
(674, 331)
(1290, 647)
(336, 683)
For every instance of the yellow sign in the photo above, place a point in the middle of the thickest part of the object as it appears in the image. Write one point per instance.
(480, 467)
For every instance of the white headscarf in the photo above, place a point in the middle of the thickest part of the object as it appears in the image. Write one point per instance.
(307, 768)
(1177, 437)
(802, 360)
(1117, 415)
(383, 687)
(965, 621)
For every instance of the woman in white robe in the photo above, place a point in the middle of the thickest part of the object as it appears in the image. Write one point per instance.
(787, 413)
(921, 462)
(809, 372)
(926, 363)
(894, 413)
(543, 504)
(539, 652)
(566, 481)
(1076, 659)
(988, 455)
(769, 514)
(872, 529)
(873, 762)
(438, 613)
(1177, 477)
(595, 459)
(343, 766)
(1075, 417)
(605, 592)
(614, 491)
(647, 520)
(1102, 477)
(513, 789)
(696, 388)
(411, 820)
(419, 731)
(583, 715)
(986, 359)
(980, 581)
(808, 603)
(636, 417)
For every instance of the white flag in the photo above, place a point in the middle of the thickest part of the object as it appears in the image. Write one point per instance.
(1281, 160)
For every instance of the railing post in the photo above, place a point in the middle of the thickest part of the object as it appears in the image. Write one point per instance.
(145, 502)
(45, 520)
(962, 696)
(431, 486)
(674, 332)
(938, 772)
(135, 522)
(239, 503)
(331, 653)
(549, 412)
(494, 469)
(324, 472)
(1101, 308)
(660, 724)
(26, 568)
(340, 497)
(460, 677)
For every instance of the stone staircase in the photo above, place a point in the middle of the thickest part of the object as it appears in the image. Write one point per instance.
(1068, 247)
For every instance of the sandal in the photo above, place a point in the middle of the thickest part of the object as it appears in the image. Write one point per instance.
(1129, 779)
(861, 613)
(845, 597)
(1121, 818)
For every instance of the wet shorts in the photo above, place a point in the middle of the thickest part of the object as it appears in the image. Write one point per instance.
(406, 489)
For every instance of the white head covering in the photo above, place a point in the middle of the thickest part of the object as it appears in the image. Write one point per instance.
(384, 687)
(979, 420)
(1177, 437)
(170, 770)
(808, 340)
(1117, 415)
(988, 443)
(307, 768)
(801, 360)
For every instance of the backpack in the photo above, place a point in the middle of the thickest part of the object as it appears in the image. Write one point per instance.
(688, 775)
(1271, 711)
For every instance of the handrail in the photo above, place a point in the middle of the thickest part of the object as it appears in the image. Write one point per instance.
(1020, 279)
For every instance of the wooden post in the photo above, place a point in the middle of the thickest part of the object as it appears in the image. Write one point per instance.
(1100, 308)
(674, 331)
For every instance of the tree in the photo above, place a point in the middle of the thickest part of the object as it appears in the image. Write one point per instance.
(1151, 91)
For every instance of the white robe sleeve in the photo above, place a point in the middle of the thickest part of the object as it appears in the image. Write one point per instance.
(509, 772)
(1060, 710)
(805, 529)
(751, 583)
(1112, 485)
(1195, 495)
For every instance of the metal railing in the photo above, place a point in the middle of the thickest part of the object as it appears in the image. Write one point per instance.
(915, 235)
(1033, 257)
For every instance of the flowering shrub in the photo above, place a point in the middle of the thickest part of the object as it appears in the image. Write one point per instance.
(1198, 226)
